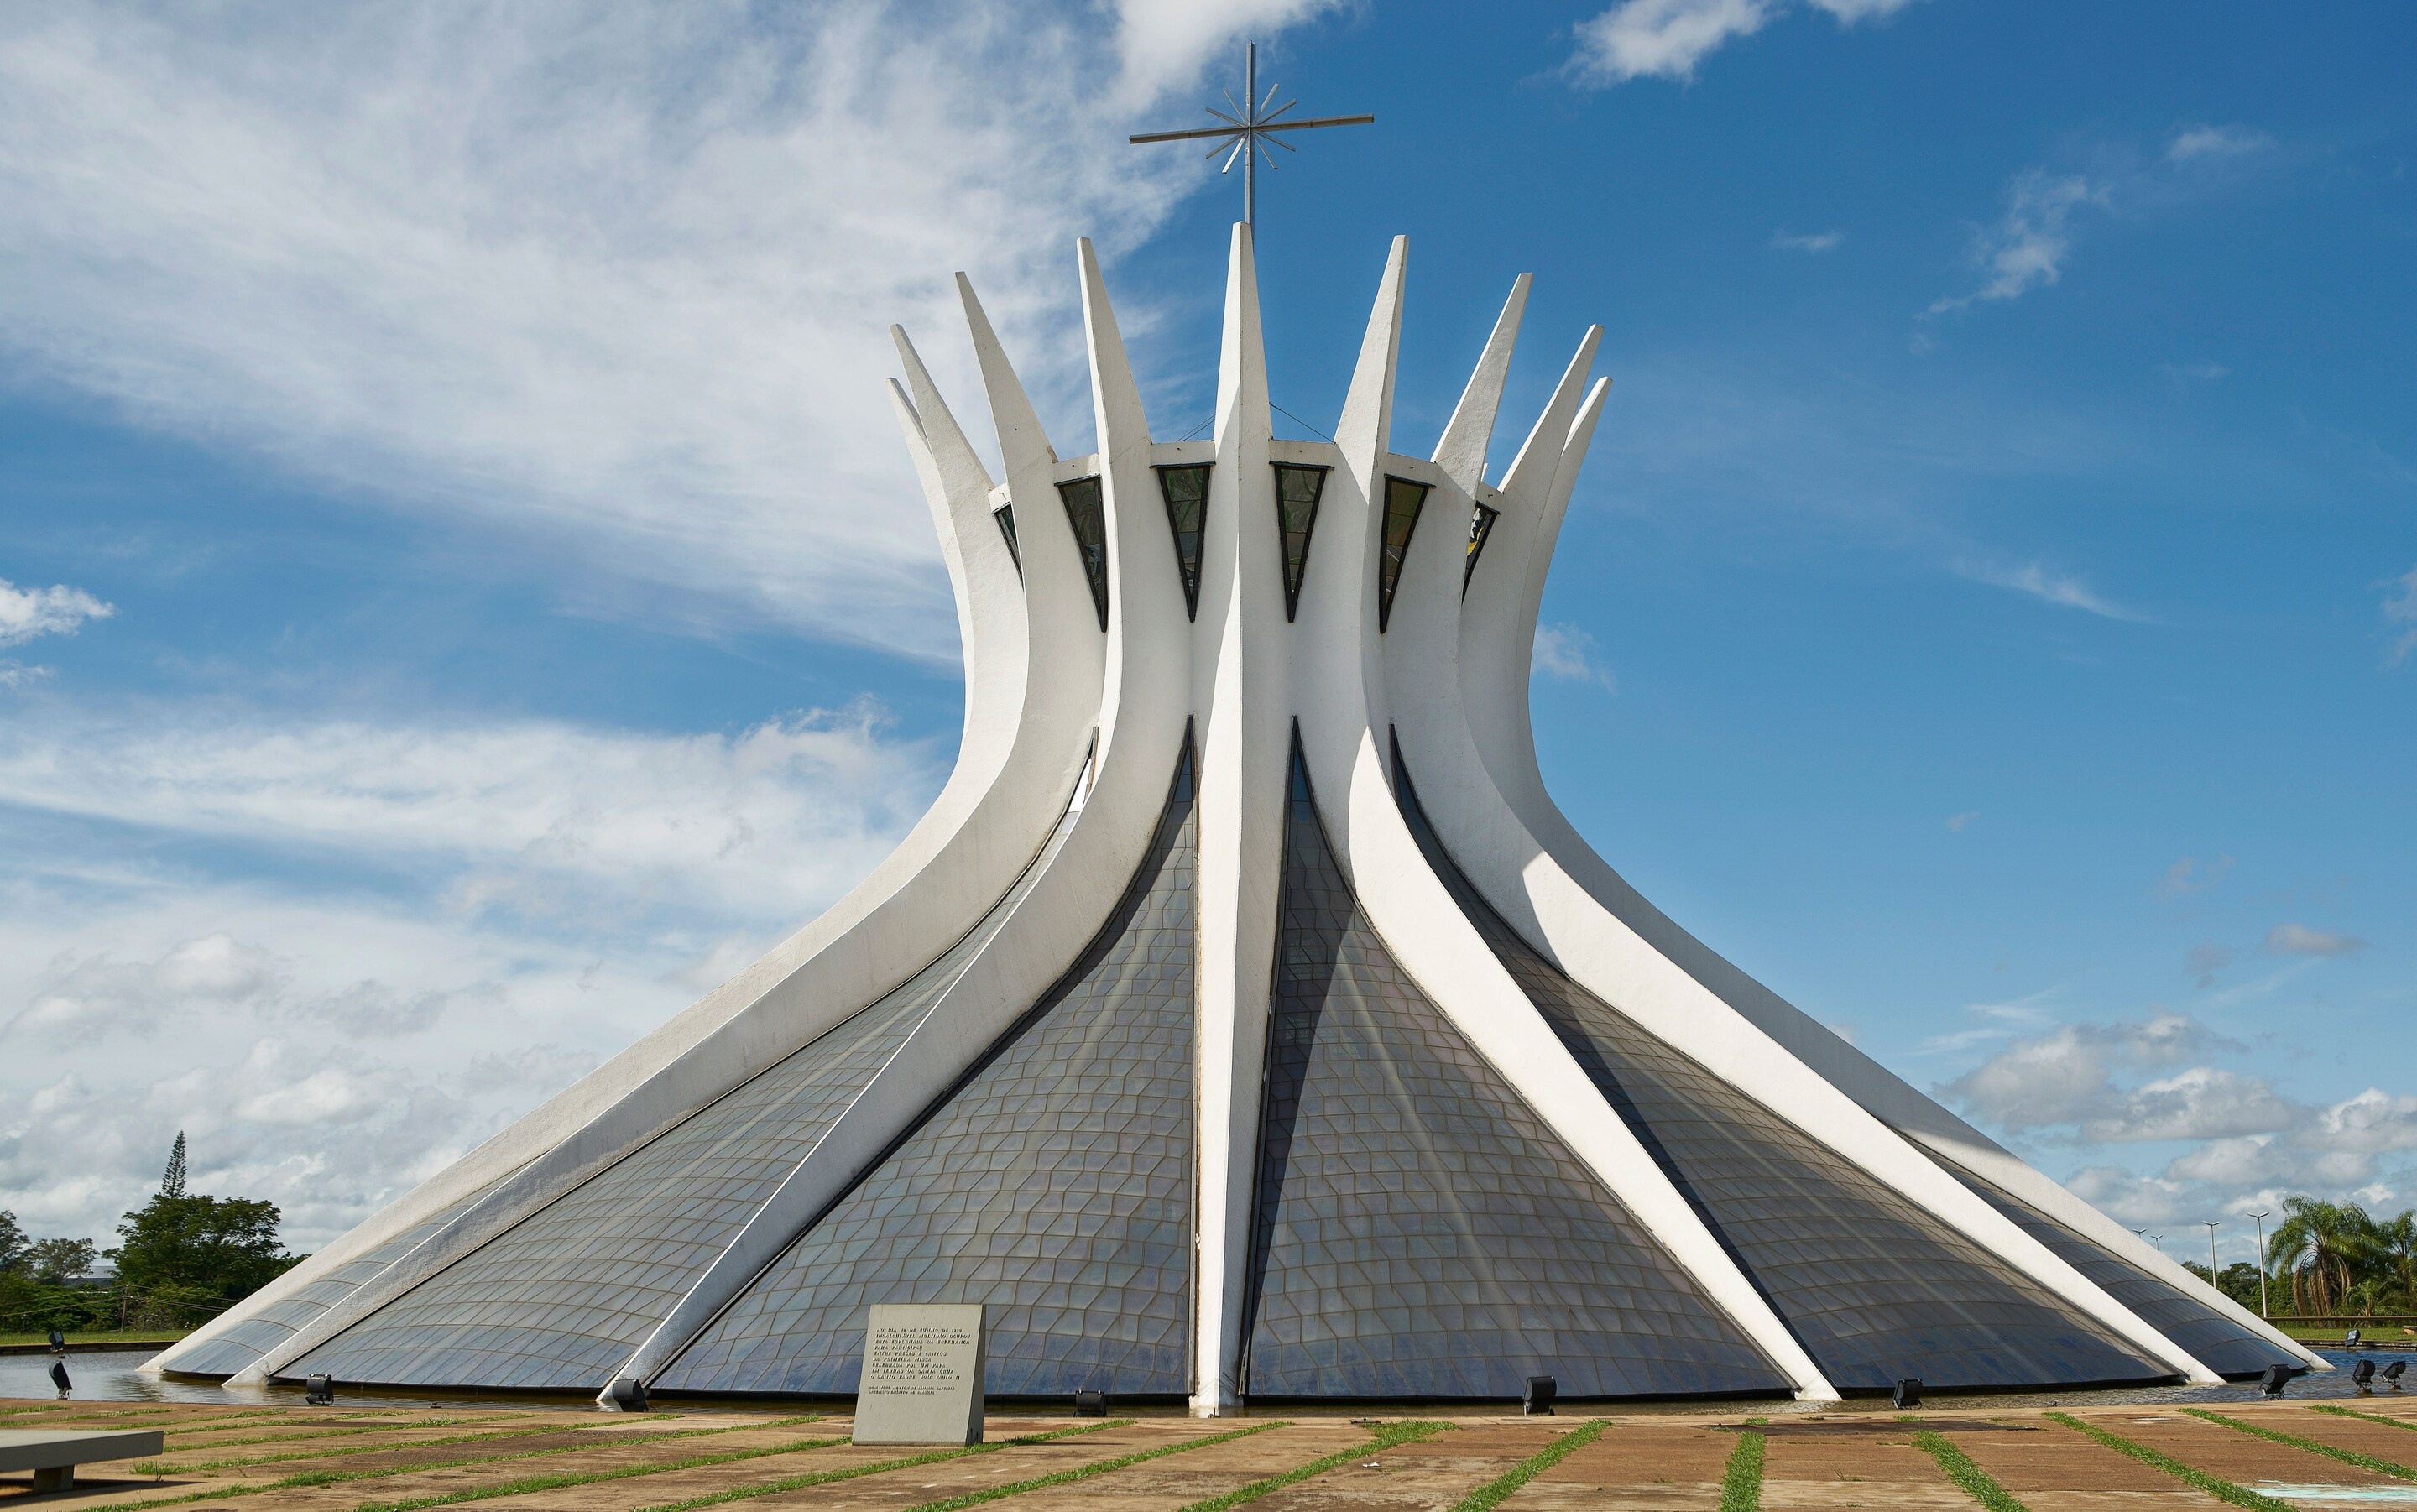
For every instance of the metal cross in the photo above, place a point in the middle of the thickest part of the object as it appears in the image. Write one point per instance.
(1247, 132)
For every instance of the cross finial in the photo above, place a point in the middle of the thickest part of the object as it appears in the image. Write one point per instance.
(1246, 134)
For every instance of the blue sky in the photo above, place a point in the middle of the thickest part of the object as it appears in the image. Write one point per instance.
(467, 597)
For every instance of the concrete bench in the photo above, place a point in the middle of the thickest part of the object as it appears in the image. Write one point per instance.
(54, 1455)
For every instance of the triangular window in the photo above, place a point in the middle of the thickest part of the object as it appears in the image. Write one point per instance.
(1088, 515)
(1299, 487)
(1403, 499)
(1481, 525)
(1186, 491)
(1005, 515)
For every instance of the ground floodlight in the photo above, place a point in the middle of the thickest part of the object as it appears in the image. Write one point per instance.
(630, 1395)
(1907, 1392)
(2391, 1372)
(2276, 1379)
(1538, 1402)
(320, 1391)
(1090, 1402)
(2350, 1338)
(59, 1377)
(2362, 1373)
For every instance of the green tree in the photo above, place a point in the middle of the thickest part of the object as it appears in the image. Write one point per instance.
(12, 1243)
(171, 1181)
(225, 1248)
(57, 1261)
(2326, 1249)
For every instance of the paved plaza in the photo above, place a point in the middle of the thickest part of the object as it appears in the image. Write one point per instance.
(265, 1455)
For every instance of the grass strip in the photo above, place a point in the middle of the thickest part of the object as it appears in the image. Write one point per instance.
(825, 1478)
(338, 1477)
(1977, 1483)
(1490, 1495)
(1384, 1436)
(2215, 1486)
(2364, 1417)
(1741, 1482)
(192, 1467)
(306, 1432)
(593, 1477)
(1101, 1467)
(2348, 1457)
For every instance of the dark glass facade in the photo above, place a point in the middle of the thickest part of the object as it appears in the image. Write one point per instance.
(248, 1341)
(1871, 1286)
(1481, 524)
(1087, 513)
(1403, 499)
(1420, 1231)
(1005, 515)
(1054, 1184)
(562, 1298)
(1299, 487)
(1186, 491)
(2226, 1345)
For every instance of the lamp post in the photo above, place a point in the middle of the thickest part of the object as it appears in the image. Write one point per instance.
(2212, 1224)
(2262, 1218)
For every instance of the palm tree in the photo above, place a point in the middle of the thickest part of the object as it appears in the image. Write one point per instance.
(2324, 1246)
(2395, 1260)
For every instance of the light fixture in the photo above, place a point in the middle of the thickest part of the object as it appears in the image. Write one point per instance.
(1090, 1402)
(1908, 1393)
(2276, 1379)
(630, 1395)
(1538, 1402)
(320, 1391)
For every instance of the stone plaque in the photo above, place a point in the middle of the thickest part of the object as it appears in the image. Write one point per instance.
(922, 1376)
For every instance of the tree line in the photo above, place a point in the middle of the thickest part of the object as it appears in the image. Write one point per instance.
(181, 1259)
(2330, 1260)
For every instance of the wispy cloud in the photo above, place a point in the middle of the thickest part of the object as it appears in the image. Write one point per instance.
(2197, 372)
(1667, 39)
(2050, 587)
(1568, 653)
(27, 612)
(2299, 940)
(610, 283)
(2400, 607)
(2192, 875)
(2204, 960)
(2194, 144)
(1957, 823)
(2027, 245)
(1820, 241)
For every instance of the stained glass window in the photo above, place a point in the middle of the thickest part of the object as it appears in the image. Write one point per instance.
(2226, 1345)
(1874, 1287)
(1420, 1231)
(1481, 524)
(1088, 515)
(1005, 515)
(1299, 487)
(1186, 490)
(1403, 499)
(1053, 1184)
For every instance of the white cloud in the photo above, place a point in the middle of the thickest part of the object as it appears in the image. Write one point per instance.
(2065, 1078)
(339, 954)
(2299, 940)
(1822, 241)
(1163, 42)
(1666, 38)
(93, 999)
(2027, 247)
(532, 816)
(1568, 653)
(27, 612)
(2400, 607)
(2050, 587)
(610, 283)
(2190, 875)
(2200, 143)
(18, 675)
